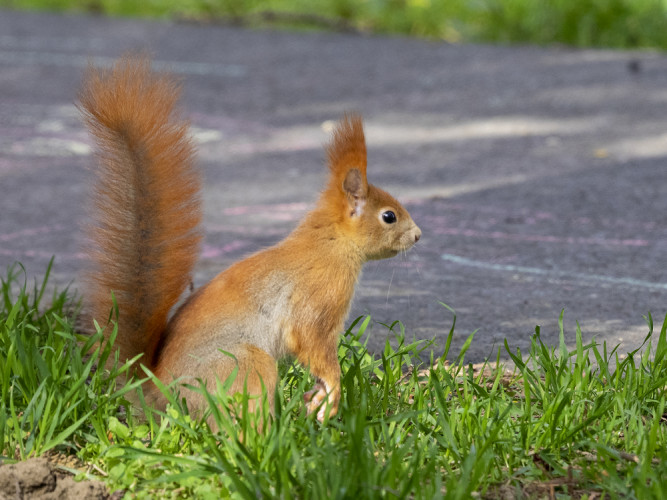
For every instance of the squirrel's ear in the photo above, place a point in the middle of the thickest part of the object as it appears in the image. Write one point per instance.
(355, 189)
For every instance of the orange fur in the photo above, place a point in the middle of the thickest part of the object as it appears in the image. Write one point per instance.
(145, 234)
(290, 299)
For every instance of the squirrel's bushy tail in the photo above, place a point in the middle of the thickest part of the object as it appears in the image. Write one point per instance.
(144, 236)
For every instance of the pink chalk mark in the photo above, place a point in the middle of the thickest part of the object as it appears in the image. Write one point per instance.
(30, 232)
(210, 252)
(266, 209)
(534, 217)
(245, 230)
(41, 254)
(471, 233)
(409, 264)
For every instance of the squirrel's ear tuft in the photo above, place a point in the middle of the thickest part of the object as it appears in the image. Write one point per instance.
(347, 148)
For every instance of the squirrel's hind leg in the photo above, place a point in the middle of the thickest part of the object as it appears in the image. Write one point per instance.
(256, 375)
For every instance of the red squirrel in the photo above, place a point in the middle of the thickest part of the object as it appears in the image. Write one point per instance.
(289, 299)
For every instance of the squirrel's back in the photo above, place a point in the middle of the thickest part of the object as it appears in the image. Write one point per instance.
(144, 235)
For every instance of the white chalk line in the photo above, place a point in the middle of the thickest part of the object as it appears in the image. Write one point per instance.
(554, 273)
(78, 61)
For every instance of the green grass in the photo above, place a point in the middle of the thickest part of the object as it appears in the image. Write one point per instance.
(602, 23)
(578, 422)
(51, 397)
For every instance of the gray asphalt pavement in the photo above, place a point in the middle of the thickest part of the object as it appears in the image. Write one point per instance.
(538, 175)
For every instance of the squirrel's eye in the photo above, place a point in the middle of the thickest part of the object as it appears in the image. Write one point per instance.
(389, 217)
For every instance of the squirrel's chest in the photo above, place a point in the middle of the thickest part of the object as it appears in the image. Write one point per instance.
(271, 314)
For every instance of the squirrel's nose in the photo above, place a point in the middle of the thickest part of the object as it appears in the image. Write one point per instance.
(418, 234)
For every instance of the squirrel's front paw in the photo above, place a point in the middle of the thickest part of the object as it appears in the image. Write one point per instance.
(320, 398)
